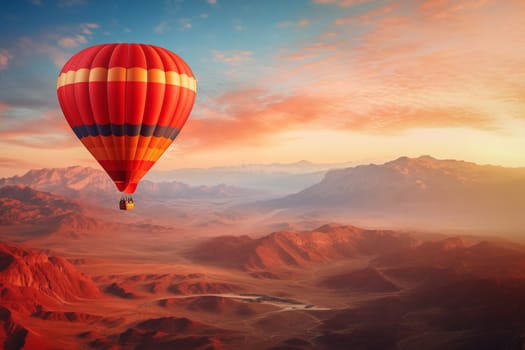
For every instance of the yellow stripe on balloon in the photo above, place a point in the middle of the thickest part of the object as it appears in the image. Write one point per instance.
(97, 74)
(117, 74)
(122, 74)
(156, 75)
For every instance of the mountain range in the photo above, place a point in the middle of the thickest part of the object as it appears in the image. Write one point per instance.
(334, 287)
(298, 249)
(94, 185)
(420, 190)
(416, 192)
(278, 178)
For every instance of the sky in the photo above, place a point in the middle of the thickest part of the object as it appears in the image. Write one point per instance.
(281, 81)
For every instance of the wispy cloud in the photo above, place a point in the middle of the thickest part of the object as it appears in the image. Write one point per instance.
(87, 28)
(27, 47)
(254, 117)
(233, 56)
(441, 9)
(341, 3)
(72, 41)
(297, 24)
(251, 117)
(54, 45)
(316, 49)
(30, 131)
(5, 56)
(3, 108)
(404, 72)
(165, 26)
(238, 25)
(212, 2)
(185, 23)
(414, 69)
(385, 119)
(7, 162)
(162, 27)
(365, 18)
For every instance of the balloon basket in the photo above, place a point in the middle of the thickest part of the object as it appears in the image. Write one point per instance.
(126, 203)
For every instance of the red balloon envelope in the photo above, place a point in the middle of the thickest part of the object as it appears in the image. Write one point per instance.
(126, 103)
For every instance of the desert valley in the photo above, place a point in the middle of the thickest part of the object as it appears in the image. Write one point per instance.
(424, 254)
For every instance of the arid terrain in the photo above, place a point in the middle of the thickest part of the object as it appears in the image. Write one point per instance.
(190, 270)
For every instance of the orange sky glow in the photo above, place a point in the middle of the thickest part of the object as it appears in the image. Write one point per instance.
(371, 82)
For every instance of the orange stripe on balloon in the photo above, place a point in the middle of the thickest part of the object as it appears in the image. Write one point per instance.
(129, 166)
(102, 147)
(131, 147)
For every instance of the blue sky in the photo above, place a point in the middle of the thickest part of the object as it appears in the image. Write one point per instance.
(280, 81)
(210, 35)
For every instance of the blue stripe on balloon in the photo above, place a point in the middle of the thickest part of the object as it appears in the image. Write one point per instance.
(126, 130)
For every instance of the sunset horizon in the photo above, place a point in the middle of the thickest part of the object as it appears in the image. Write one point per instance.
(329, 81)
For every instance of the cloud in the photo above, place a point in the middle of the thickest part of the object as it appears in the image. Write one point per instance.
(87, 28)
(54, 45)
(314, 50)
(393, 118)
(26, 48)
(328, 35)
(7, 162)
(58, 56)
(442, 9)
(162, 27)
(47, 130)
(185, 23)
(303, 22)
(341, 3)
(255, 117)
(365, 18)
(426, 71)
(285, 24)
(3, 108)
(72, 41)
(5, 56)
(238, 25)
(212, 2)
(251, 117)
(403, 72)
(233, 56)
(297, 24)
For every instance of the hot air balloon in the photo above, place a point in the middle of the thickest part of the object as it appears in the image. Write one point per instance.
(126, 103)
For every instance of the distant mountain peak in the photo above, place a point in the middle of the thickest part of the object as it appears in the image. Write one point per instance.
(424, 159)
(303, 162)
(422, 190)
